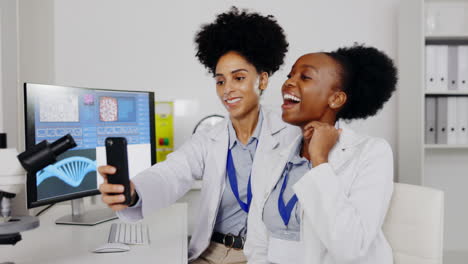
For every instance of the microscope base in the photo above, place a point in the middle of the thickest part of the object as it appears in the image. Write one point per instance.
(10, 239)
(10, 231)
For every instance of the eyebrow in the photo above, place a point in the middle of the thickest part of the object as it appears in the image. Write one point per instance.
(234, 71)
(310, 66)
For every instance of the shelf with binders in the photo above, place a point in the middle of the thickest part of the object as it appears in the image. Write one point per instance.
(446, 96)
(446, 69)
(423, 25)
(446, 122)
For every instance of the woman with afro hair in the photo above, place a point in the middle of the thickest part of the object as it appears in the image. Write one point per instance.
(242, 50)
(330, 190)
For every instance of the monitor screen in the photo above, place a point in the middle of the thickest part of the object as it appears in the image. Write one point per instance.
(90, 116)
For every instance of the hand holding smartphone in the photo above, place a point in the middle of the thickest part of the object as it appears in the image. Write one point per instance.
(116, 153)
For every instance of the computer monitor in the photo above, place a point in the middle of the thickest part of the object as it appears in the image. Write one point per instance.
(90, 116)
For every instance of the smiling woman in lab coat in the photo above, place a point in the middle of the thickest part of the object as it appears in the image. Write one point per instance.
(242, 50)
(328, 193)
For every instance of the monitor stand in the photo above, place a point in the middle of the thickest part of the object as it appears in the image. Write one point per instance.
(89, 218)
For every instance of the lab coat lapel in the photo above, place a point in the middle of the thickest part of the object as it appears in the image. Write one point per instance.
(272, 124)
(344, 149)
(279, 162)
(340, 154)
(221, 137)
(267, 142)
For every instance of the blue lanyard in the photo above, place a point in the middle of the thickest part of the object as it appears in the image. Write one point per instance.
(231, 172)
(285, 210)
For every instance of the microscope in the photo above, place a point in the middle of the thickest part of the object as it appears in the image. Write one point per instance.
(12, 181)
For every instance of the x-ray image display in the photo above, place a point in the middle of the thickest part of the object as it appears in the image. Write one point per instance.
(59, 108)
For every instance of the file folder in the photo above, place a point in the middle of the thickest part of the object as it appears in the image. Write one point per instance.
(431, 70)
(441, 68)
(430, 124)
(452, 120)
(452, 68)
(462, 117)
(462, 68)
(441, 120)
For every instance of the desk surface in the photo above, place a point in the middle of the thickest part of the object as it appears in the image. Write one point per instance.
(51, 243)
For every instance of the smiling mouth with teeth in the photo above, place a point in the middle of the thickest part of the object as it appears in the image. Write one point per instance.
(231, 101)
(290, 99)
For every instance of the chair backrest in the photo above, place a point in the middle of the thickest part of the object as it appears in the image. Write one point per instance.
(414, 224)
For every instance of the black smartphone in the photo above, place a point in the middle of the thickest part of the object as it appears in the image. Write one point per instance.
(116, 153)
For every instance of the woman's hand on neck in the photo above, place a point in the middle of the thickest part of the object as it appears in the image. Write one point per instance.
(245, 125)
(316, 146)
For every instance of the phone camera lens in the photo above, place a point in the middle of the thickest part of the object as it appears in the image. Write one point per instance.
(110, 142)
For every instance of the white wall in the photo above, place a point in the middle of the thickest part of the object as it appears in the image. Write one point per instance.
(9, 70)
(148, 45)
(1, 73)
(9, 84)
(36, 35)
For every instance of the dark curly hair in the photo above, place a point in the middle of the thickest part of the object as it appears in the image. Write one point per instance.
(259, 39)
(368, 77)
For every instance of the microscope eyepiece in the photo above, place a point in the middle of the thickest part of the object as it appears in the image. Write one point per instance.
(62, 144)
(44, 153)
(3, 141)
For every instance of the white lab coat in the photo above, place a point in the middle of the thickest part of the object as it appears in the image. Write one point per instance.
(343, 206)
(203, 157)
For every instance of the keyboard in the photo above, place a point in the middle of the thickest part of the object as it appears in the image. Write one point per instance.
(129, 233)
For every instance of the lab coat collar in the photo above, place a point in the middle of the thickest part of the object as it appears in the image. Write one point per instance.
(348, 138)
(342, 152)
(255, 136)
(343, 149)
(272, 124)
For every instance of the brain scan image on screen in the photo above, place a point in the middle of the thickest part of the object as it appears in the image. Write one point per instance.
(108, 109)
(59, 108)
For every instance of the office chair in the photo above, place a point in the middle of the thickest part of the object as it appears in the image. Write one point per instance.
(414, 225)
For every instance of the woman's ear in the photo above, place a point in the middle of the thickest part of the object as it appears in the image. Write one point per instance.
(263, 83)
(337, 100)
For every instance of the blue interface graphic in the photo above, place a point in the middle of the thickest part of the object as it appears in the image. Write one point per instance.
(92, 115)
(70, 170)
